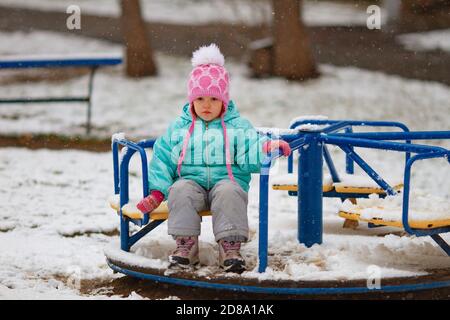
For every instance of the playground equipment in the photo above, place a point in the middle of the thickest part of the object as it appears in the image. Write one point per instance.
(309, 188)
(93, 62)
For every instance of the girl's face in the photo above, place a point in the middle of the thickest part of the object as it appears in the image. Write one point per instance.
(208, 108)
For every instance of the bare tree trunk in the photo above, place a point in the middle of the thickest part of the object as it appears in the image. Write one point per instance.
(293, 58)
(139, 54)
(425, 14)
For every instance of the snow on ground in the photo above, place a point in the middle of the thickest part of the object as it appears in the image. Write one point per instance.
(205, 11)
(50, 197)
(426, 41)
(55, 221)
(143, 108)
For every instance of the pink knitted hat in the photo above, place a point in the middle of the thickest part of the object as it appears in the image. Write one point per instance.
(209, 76)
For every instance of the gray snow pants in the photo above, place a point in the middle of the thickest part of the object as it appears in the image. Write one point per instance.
(226, 200)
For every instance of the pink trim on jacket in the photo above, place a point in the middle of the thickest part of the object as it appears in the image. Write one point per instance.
(186, 142)
(227, 149)
(225, 137)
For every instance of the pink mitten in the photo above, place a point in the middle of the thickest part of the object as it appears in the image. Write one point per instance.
(272, 145)
(151, 202)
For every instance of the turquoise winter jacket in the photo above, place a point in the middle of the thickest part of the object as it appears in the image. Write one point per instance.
(204, 160)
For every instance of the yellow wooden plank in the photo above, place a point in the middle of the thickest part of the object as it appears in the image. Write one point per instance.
(422, 224)
(160, 213)
(369, 190)
(293, 187)
(132, 214)
(128, 211)
(339, 188)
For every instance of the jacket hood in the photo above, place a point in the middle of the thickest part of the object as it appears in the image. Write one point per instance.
(231, 112)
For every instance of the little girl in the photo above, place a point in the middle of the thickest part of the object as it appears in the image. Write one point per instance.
(203, 162)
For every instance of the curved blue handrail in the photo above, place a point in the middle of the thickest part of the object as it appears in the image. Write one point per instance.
(121, 183)
(406, 193)
(347, 125)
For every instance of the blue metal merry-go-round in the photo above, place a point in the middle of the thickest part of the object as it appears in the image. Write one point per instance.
(309, 138)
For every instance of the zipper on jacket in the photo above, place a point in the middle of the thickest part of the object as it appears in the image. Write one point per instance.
(207, 155)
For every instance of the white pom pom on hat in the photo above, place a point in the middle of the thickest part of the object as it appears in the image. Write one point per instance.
(208, 55)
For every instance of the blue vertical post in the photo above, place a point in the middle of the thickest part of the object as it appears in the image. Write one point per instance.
(291, 163)
(349, 164)
(124, 197)
(310, 180)
(124, 233)
(115, 152)
(263, 214)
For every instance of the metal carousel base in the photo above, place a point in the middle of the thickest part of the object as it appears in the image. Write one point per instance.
(437, 282)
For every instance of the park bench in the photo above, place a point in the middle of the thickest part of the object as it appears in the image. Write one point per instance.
(91, 61)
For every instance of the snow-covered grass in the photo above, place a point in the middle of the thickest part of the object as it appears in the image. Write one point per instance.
(200, 12)
(49, 198)
(144, 108)
(426, 41)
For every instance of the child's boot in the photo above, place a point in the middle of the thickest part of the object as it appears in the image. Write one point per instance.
(186, 252)
(230, 258)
